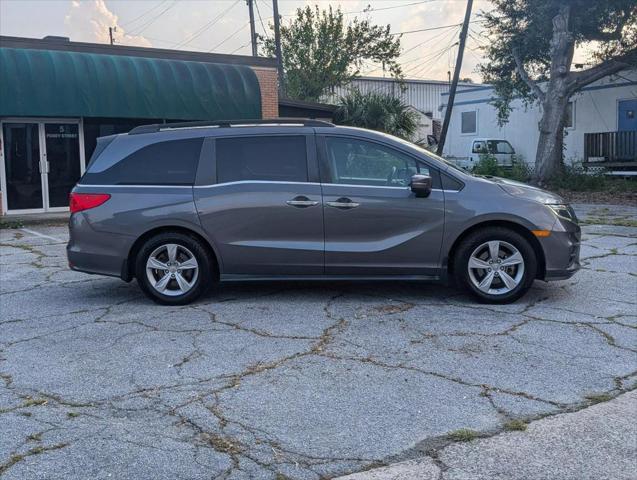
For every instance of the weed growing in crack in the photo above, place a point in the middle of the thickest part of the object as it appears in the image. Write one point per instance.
(463, 435)
(598, 397)
(513, 425)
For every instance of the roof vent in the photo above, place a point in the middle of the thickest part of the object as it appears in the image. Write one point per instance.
(55, 38)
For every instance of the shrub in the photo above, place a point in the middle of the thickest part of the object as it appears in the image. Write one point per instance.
(488, 165)
(574, 178)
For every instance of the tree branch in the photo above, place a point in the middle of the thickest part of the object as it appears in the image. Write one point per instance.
(525, 76)
(608, 67)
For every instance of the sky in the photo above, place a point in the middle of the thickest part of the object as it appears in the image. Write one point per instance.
(221, 26)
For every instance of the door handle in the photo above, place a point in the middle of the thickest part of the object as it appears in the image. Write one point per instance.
(302, 202)
(342, 203)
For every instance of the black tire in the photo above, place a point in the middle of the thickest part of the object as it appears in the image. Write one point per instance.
(206, 268)
(477, 239)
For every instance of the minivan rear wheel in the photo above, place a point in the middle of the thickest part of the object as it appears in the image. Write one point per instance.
(495, 264)
(173, 268)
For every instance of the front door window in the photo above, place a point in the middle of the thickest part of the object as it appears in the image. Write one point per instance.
(356, 162)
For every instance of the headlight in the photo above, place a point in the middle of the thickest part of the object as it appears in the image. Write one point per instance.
(564, 211)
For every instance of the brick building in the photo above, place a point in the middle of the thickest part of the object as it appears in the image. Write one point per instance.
(58, 96)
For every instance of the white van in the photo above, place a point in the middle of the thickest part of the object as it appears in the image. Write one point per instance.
(498, 148)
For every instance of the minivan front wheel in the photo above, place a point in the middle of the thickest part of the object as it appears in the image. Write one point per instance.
(496, 264)
(173, 268)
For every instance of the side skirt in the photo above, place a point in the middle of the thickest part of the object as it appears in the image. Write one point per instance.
(345, 278)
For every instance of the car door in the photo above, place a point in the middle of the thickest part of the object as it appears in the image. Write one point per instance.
(262, 207)
(374, 223)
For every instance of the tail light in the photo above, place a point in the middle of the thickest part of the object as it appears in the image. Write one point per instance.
(85, 201)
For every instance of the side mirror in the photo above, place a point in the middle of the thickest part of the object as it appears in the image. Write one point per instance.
(421, 185)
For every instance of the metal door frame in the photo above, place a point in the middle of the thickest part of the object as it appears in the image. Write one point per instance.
(40, 121)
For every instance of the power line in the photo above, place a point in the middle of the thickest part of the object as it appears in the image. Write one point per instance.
(235, 33)
(433, 28)
(206, 26)
(265, 32)
(138, 30)
(154, 7)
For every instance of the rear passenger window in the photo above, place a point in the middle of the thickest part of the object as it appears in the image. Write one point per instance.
(278, 158)
(164, 163)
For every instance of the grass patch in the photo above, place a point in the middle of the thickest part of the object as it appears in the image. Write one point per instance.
(616, 222)
(72, 414)
(31, 402)
(35, 437)
(598, 397)
(463, 435)
(515, 425)
(223, 444)
(11, 224)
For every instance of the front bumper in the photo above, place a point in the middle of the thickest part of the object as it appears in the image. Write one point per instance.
(561, 252)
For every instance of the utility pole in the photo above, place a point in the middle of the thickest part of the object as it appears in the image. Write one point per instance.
(456, 76)
(110, 34)
(277, 46)
(253, 33)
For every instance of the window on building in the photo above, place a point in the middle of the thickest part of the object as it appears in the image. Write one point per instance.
(164, 163)
(279, 158)
(569, 120)
(469, 122)
(358, 162)
(102, 127)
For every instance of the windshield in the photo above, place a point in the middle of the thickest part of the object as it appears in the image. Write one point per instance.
(500, 146)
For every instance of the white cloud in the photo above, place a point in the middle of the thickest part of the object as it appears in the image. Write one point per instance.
(89, 20)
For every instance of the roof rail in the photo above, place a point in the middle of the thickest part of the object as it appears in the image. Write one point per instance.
(158, 127)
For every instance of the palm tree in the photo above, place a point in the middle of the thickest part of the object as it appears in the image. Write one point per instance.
(377, 111)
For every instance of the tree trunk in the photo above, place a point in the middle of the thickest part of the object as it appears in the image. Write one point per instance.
(548, 158)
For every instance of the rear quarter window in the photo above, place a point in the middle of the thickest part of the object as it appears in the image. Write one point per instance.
(172, 162)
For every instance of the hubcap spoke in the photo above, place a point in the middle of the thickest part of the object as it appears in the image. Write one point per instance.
(183, 283)
(172, 252)
(188, 264)
(508, 280)
(511, 260)
(162, 283)
(154, 263)
(494, 249)
(475, 262)
(486, 282)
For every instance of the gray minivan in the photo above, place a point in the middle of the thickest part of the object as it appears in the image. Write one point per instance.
(182, 206)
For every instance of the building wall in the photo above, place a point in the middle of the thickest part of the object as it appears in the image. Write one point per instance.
(595, 110)
(269, 91)
(423, 95)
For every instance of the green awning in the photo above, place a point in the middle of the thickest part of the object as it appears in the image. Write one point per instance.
(54, 83)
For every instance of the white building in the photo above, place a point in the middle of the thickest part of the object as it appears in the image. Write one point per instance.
(604, 108)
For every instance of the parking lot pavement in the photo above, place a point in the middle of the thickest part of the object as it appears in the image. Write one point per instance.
(294, 380)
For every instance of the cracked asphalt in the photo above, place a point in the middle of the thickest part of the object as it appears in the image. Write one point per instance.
(294, 380)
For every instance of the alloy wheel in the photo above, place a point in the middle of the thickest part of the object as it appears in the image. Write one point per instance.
(172, 269)
(496, 267)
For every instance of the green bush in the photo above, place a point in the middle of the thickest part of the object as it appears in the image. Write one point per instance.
(488, 166)
(574, 178)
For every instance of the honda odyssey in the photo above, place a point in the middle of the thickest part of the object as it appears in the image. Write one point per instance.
(182, 206)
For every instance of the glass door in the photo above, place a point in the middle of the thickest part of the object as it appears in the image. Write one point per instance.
(22, 166)
(62, 162)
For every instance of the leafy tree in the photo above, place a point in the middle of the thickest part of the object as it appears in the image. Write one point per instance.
(531, 56)
(377, 111)
(321, 52)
